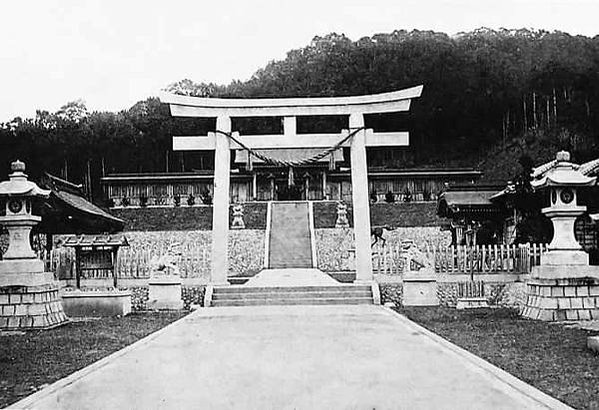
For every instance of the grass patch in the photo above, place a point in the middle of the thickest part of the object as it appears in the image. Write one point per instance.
(549, 356)
(32, 360)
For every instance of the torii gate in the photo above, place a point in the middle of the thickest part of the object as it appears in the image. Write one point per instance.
(289, 108)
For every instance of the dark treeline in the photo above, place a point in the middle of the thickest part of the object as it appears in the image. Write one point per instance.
(489, 97)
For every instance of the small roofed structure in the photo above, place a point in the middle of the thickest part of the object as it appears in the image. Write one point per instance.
(98, 253)
(68, 212)
(468, 208)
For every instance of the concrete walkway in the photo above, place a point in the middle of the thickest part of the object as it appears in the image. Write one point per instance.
(291, 357)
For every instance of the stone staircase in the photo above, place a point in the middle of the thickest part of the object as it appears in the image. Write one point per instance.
(292, 287)
(298, 295)
(290, 244)
(290, 278)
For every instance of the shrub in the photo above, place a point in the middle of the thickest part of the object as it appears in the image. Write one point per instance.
(177, 200)
(389, 197)
(125, 201)
(206, 197)
(426, 195)
(407, 195)
(191, 200)
(143, 201)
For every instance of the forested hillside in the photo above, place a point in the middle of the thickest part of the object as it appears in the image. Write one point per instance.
(489, 97)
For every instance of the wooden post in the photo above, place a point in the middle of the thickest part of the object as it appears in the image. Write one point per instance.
(78, 268)
(115, 251)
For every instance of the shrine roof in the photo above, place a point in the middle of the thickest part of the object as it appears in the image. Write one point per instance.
(467, 200)
(67, 211)
(86, 240)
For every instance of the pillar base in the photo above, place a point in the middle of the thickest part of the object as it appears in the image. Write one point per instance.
(165, 293)
(565, 257)
(562, 299)
(30, 307)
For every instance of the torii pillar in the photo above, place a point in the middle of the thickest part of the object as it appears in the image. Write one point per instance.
(220, 209)
(361, 205)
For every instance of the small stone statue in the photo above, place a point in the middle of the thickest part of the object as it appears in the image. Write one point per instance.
(341, 221)
(167, 263)
(237, 217)
(413, 254)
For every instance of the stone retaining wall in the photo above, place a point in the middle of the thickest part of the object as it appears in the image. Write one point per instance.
(191, 295)
(503, 294)
(334, 247)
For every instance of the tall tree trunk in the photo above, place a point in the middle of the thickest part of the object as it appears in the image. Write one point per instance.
(547, 116)
(554, 106)
(587, 105)
(65, 169)
(524, 111)
(534, 110)
(103, 167)
(166, 160)
(503, 127)
(88, 175)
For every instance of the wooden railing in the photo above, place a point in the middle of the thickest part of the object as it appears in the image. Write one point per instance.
(132, 263)
(479, 259)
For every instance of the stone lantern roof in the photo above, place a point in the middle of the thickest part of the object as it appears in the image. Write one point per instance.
(19, 185)
(562, 172)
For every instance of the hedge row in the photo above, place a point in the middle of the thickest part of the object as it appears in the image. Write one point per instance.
(399, 214)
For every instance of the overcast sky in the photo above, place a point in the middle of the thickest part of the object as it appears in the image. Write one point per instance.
(114, 53)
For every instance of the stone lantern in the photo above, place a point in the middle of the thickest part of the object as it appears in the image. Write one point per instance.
(28, 295)
(562, 178)
(563, 286)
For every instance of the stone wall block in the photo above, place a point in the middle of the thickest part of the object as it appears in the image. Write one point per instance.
(588, 303)
(14, 298)
(4, 299)
(576, 303)
(546, 315)
(571, 315)
(560, 315)
(594, 314)
(584, 314)
(557, 291)
(582, 291)
(21, 310)
(548, 303)
(569, 291)
(594, 290)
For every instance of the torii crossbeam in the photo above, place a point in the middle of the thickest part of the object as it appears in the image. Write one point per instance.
(289, 108)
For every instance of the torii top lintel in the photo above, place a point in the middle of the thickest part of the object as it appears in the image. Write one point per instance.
(185, 106)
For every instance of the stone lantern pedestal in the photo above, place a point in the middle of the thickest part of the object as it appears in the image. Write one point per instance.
(28, 295)
(564, 286)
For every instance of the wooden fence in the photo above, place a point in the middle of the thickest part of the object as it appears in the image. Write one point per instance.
(132, 263)
(479, 259)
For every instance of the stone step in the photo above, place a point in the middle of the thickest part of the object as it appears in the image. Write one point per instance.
(290, 242)
(301, 301)
(291, 295)
(288, 289)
